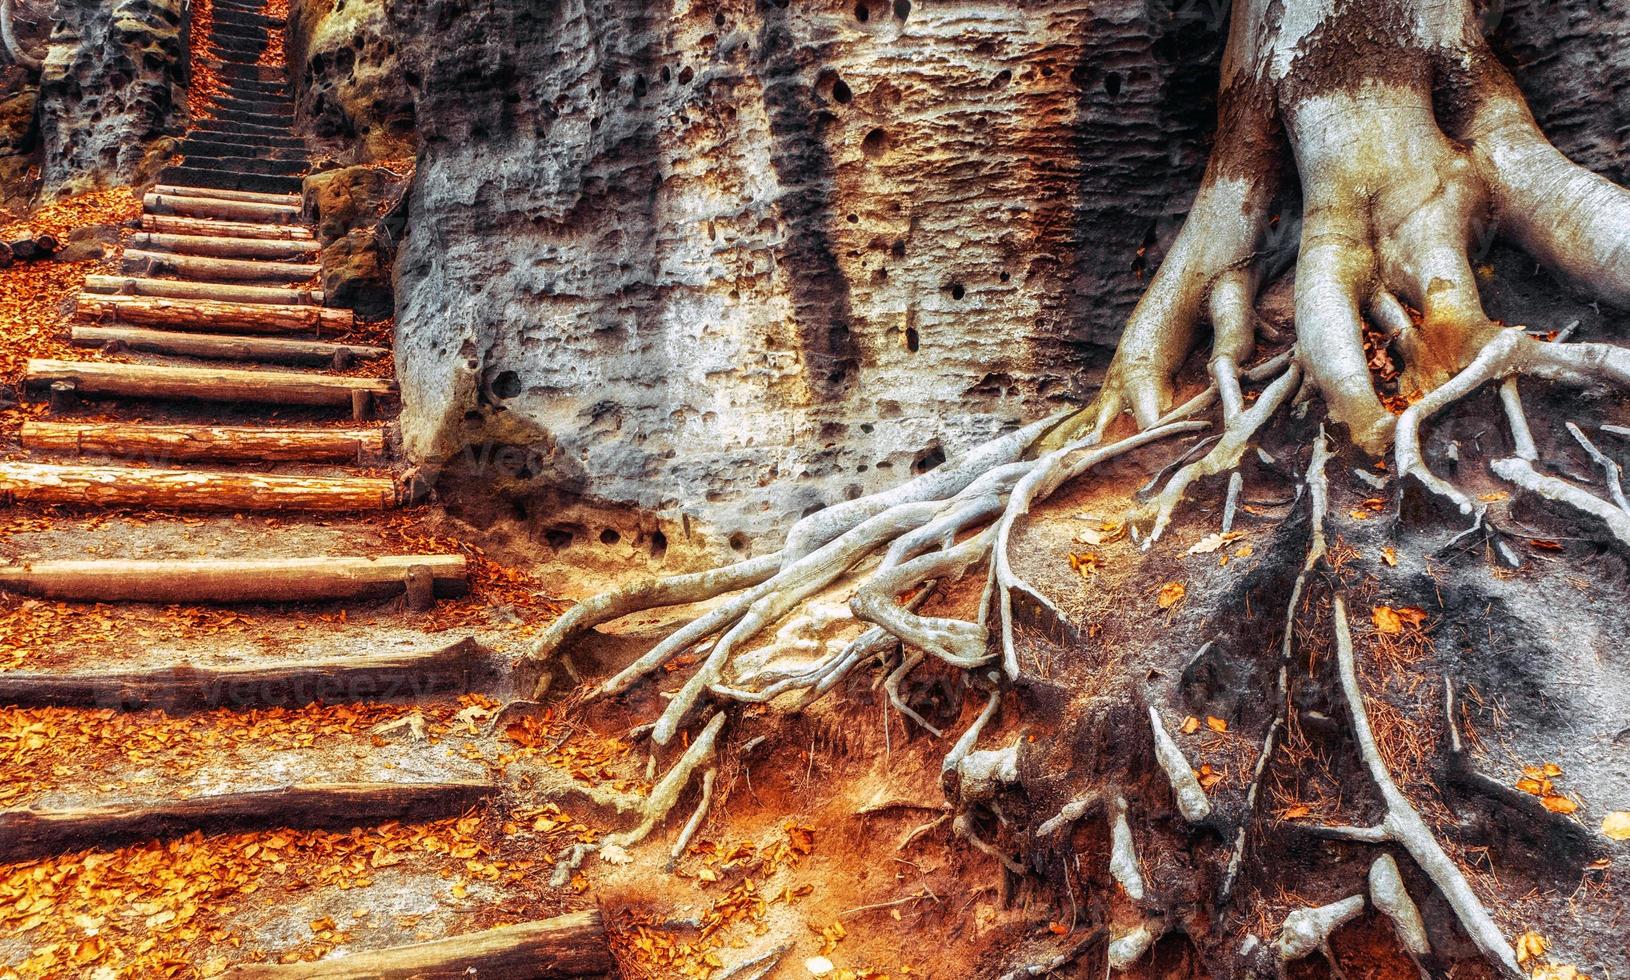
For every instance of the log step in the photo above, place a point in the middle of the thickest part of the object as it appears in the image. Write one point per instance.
(163, 445)
(221, 208)
(571, 945)
(196, 148)
(27, 834)
(204, 384)
(212, 315)
(178, 190)
(459, 668)
(182, 289)
(193, 490)
(217, 347)
(225, 248)
(233, 582)
(172, 224)
(211, 269)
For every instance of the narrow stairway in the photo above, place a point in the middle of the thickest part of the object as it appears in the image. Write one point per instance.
(216, 382)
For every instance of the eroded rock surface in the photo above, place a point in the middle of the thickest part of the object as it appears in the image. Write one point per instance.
(111, 93)
(745, 260)
(349, 89)
(355, 210)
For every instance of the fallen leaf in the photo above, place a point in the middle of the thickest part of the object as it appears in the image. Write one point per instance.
(1489, 498)
(1057, 928)
(1191, 725)
(1390, 556)
(1386, 620)
(1212, 542)
(1616, 825)
(1296, 812)
(1170, 594)
(1557, 803)
(1216, 724)
(1530, 946)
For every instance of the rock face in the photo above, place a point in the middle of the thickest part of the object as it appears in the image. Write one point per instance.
(111, 93)
(349, 90)
(728, 264)
(740, 261)
(358, 216)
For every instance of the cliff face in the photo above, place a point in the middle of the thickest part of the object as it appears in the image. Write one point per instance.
(735, 262)
(111, 93)
(744, 260)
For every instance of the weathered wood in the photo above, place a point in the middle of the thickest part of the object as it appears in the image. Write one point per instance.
(216, 270)
(460, 667)
(223, 348)
(64, 396)
(221, 208)
(164, 444)
(165, 489)
(219, 292)
(231, 581)
(224, 248)
(212, 315)
(174, 224)
(421, 588)
(571, 945)
(176, 190)
(26, 834)
(203, 384)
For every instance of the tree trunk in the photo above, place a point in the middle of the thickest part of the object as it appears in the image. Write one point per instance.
(228, 581)
(165, 444)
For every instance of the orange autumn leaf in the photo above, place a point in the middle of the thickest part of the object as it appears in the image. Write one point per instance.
(1616, 825)
(1191, 725)
(1216, 724)
(1557, 803)
(1170, 595)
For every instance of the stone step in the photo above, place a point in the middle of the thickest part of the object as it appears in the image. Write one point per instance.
(193, 148)
(208, 268)
(206, 384)
(273, 87)
(227, 128)
(31, 833)
(231, 180)
(236, 581)
(249, 165)
(229, 105)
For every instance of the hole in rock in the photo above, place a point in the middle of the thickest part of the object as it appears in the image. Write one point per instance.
(610, 536)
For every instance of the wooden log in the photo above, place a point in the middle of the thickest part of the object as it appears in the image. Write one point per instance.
(64, 396)
(225, 248)
(219, 292)
(212, 315)
(203, 384)
(223, 348)
(461, 667)
(216, 270)
(26, 834)
(80, 485)
(164, 444)
(231, 581)
(222, 209)
(174, 224)
(571, 945)
(176, 190)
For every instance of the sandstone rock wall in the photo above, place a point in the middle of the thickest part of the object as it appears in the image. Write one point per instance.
(111, 93)
(349, 90)
(727, 263)
(359, 215)
(731, 262)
